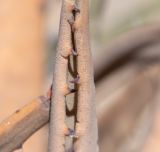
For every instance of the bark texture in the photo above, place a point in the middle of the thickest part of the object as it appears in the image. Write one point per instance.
(23, 123)
(74, 40)
(86, 127)
(57, 125)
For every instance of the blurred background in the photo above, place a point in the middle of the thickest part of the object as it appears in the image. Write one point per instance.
(125, 42)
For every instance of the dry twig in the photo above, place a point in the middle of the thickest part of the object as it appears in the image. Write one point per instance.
(23, 123)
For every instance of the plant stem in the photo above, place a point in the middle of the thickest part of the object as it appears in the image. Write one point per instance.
(57, 125)
(86, 126)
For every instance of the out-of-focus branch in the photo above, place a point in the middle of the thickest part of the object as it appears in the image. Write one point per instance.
(152, 140)
(23, 123)
(129, 114)
(124, 47)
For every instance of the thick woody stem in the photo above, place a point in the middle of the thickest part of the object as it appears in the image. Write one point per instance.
(23, 123)
(57, 125)
(86, 126)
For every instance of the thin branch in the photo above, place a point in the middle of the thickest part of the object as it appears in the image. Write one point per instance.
(15, 130)
(86, 126)
(57, 127)
(124, 47)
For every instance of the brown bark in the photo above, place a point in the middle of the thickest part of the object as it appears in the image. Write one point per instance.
(86, 126)
(23, 123)
(73, 40)
(57, 125)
